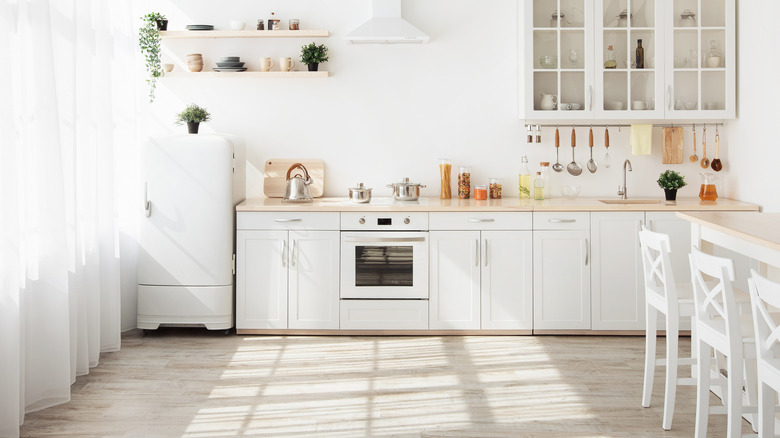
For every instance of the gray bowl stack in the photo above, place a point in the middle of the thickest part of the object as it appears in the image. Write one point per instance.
(230, 63)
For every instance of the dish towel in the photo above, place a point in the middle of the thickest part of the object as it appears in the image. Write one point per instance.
(641, 139)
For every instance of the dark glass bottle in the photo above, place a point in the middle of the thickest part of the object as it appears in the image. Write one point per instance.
(640, 55)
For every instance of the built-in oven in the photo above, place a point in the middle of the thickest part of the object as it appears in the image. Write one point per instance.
(384, 255)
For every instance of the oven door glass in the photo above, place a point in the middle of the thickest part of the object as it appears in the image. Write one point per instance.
(384, 265)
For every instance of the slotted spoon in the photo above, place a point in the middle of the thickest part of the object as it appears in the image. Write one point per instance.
(591, 164)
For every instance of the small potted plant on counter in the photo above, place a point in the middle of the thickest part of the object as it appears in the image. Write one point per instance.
(192, 116)
(670, 181)
(312, 55)
(149, 40)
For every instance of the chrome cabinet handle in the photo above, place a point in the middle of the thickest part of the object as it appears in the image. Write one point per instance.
(481, 220)
(651, 225)
(485, 253)
(476, 252)
(284, 253)
(288, 220)
(590, 97)
(669, 98)
(383, 239)
(293, 255)
(587, 252)
(561, 221)
(147, 202)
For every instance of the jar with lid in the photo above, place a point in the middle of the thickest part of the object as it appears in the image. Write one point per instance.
(494, 188)
(713, 57)
(687, 18)
(556, 17)
(545, 170)
(294, 24)
(274, 23)
(445, 171)
(539, 187)
(260, 24)
(624, 19)
(708, 190)
(464, 182)
(480, 192)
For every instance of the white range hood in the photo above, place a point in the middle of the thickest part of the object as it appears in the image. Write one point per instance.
(386, 27)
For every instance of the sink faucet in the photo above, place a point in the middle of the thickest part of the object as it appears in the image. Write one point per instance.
(623, 191)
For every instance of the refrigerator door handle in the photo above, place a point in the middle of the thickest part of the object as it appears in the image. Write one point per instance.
(147, 202)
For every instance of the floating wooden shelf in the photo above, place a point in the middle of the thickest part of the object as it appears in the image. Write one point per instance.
(244, 33)
(249, 74)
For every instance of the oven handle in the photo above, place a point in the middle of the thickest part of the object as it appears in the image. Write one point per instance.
(383, 239)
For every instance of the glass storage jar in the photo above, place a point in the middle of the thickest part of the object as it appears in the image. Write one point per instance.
(464, 182)
(687, 18)
(494, 187)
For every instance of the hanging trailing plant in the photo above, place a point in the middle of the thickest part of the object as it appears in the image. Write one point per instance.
(149, 40)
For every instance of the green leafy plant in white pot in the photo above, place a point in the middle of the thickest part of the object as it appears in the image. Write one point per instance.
(670, 181)
(149, 40)
(193, 115)
(312, 55)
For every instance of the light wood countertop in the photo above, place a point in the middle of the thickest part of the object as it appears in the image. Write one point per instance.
(759, 228)
(505, 204)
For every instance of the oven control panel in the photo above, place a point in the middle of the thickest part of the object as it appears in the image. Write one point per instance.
(381, 221)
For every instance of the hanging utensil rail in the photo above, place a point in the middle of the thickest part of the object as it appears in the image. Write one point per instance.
(619, 125)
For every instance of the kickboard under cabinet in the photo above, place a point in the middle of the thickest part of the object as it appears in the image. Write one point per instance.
(384, 314)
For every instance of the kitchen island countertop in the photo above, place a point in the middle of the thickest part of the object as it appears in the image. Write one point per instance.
(505, 204)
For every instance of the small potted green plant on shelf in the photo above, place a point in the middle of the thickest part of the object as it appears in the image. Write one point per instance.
(149, 40)
(193, 115)
(670, 181)
(312, 55)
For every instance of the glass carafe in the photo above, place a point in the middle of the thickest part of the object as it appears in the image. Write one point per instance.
(708, 190)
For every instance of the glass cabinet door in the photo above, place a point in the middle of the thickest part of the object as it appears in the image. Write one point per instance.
(700, 59)
(559, 49)
(629, 84)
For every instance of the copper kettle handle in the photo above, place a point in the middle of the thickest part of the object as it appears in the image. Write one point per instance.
(297, 165)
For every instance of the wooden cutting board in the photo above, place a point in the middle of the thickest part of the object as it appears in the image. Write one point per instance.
(274, 183)
(672, 146)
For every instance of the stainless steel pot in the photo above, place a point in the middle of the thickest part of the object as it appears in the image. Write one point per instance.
(360, 194)
(298, 187)
(405, 190)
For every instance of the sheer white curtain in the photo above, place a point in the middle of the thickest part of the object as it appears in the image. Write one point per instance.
(67, 122)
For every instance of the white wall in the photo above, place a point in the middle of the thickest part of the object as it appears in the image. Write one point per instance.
(389, 111)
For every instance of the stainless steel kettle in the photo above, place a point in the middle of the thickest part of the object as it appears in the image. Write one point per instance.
(298, 189)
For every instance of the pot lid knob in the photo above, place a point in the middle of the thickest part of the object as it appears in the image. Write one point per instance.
(405, 180)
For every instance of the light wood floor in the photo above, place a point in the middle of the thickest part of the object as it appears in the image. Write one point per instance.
(191, 383)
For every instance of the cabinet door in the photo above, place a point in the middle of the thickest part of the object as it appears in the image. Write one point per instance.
(556, 67)
(679, 232)
(561, 280)
(314, 280)
(261, 279)
(617, 291)
(507, 284)
(625, 91)
(454, 279)
(700, 86)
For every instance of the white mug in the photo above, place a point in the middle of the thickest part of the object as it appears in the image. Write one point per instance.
(575, 106)
(286, 64)
(638, 105)
(564, 106)
(266, 64)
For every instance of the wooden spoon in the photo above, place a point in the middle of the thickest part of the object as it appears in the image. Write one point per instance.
(607, 161)
(716, 164)
(705, 162)
(694, 158)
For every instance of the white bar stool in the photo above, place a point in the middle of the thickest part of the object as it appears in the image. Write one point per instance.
(719, 326)
(762, 293)
(674, 301)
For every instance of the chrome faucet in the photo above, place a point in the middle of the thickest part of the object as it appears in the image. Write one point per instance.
(623, 191)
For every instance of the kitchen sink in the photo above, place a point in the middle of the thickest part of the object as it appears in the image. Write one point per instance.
(631, 201)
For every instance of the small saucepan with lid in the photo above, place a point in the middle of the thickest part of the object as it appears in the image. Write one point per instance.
(360, 194)
(406, 190)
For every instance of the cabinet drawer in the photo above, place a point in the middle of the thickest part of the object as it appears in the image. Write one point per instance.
(287, 220)
(561, 220)
(384, 314)
(480, 221)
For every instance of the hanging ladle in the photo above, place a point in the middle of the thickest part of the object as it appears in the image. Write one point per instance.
(705, 162)
(558, 167)
(591, 164)
(694, 158)
(716, 164)
(573, 168)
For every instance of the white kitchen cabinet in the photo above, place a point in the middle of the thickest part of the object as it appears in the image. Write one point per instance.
(455, 287)
(507, 280)
(287, 273)
(261, 279)
(679, 232)
(617, 281)
(561, 277)
(679, 81)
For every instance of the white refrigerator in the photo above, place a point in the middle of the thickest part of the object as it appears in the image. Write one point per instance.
(186, 258)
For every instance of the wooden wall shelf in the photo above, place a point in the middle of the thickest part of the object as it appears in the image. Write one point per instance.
(248, 74)
(244, 34)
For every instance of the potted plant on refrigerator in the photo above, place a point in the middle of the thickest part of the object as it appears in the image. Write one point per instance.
(149, 41)
(312, 55)
(193, 115)
(670, 181)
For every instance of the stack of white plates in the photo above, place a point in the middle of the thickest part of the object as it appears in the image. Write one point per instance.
(200, 27)
(230, 63)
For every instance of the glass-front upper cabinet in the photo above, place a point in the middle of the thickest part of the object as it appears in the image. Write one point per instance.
(700, 71)
(556, 71)
(629, 69)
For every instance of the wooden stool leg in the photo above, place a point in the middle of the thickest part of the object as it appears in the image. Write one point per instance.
(651, 315)
(672, 333)
(734, 408)
(702, 389)
(766, 410)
